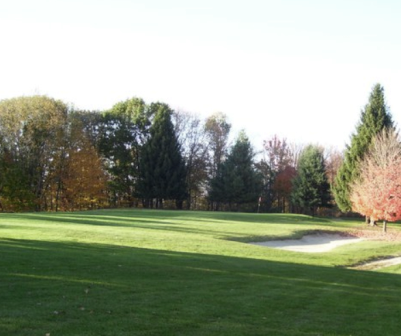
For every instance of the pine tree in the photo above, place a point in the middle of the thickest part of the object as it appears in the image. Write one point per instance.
(311, 188)
(162, 168)
(237, 182)
(374, 118)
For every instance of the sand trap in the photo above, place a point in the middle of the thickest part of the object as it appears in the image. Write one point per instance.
(379, 264)
(322, 242)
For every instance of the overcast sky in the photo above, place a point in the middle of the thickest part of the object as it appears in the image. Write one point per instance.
(301, 69)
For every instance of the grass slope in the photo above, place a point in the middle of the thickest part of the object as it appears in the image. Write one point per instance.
(133, 272)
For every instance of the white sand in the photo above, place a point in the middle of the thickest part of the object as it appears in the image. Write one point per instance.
(380, 264)
(322, 242)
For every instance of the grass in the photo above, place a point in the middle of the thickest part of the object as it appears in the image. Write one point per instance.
(138, 272)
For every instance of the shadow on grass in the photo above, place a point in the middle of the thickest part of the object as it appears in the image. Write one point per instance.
(91, 289)
(117, 221)
(172, 220)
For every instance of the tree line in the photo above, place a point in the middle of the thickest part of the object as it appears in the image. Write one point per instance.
(57, 158)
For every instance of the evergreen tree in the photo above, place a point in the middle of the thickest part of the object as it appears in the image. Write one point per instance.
(162, 168)
(310, 187)
(237, 182)
(374, 118)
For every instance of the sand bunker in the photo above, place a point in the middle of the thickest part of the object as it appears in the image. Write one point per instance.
(325, 242)
(373, 265)
(316, 243)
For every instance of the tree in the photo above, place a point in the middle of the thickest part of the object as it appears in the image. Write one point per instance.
(91, 123)
(334, 160)
(192, 138)
(282, 186)
(237, 183)
(374, 118)
(31, 130)
(278, 169)
(311, 188)
(83, 180)
(124, 129)
(267, 177)
(376, 193)
(277, 153)
(217, 130)
(162, 168)
(75, 179)
(15, 190)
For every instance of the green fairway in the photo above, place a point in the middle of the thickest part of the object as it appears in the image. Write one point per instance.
(141, 272)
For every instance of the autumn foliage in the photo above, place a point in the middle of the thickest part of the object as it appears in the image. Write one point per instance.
(84, 181)
(282, 185)
(377, 192)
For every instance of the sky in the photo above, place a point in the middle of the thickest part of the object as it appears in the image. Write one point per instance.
(299, 69)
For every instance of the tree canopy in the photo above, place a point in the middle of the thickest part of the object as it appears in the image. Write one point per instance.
(54, 157)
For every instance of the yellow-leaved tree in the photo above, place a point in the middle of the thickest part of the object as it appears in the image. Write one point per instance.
(83, 181)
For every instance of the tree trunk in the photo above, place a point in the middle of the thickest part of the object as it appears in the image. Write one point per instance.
(188, 205)
(384, 226)
(372, 222)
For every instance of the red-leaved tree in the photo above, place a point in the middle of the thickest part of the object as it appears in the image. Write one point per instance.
(282, 185)
(377, 192)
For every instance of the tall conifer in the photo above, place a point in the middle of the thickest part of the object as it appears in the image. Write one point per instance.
(374, 118)
(237, 182)
(162, 166)
(311, 188)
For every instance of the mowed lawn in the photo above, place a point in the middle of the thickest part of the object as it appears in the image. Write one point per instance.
(142, 272)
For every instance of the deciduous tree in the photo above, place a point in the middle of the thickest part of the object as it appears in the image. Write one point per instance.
(277, 153)
(124, 130)
(83, 180)
(334, 160)
(31, 129)
(279, 170)
(217, 130)
(376, 193)
(282, 187)
(192, 138)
